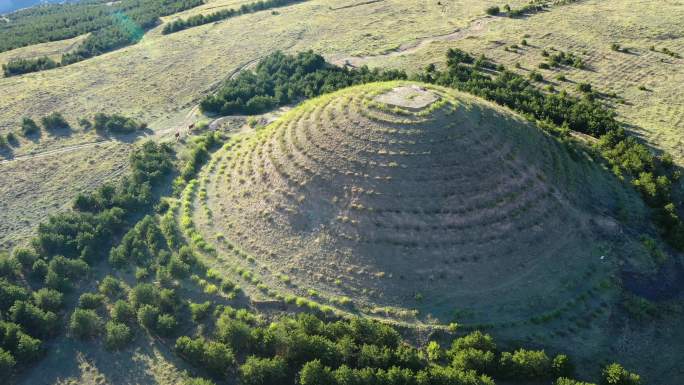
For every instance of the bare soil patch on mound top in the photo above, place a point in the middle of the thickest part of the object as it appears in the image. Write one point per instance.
(412, 97)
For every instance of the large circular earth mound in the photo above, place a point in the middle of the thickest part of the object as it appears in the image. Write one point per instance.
(417, 201)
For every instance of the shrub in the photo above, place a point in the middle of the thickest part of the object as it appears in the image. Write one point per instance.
(26, 257)
(263, 371)
(29, 127)
(91, 301)
(111, 287)
(536, 76)
(199, 311)
(116, 124)
(147, 316)
(584, 87)
(123, 312)
(24, 66)
(48, 299)
(117, 336)
(166, 324)
(615, 374)
(7, 363)
(85, 323)
(54, 121)
(493, 11)
(33, 319)
(314, 373)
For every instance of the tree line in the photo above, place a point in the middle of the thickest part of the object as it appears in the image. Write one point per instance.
(196, 20)
(111, 26)
(308, 350)
(280, 79)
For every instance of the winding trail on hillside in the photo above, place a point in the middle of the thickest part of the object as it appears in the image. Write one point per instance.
(475, 28)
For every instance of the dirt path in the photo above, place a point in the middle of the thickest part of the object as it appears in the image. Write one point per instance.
(475, 28)
(56, 151)
(356, 5)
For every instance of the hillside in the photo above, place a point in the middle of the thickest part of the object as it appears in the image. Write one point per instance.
(404, 197)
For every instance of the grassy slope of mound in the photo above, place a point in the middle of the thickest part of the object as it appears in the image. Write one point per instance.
(456, 211)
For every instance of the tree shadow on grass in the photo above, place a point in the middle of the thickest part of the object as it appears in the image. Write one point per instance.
(129, 137)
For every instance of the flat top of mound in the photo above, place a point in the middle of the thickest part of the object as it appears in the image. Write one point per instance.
(413, 96)
(415, 201)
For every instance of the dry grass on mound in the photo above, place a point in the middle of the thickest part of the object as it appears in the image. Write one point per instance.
(433, 215)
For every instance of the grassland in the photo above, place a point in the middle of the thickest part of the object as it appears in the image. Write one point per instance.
(588, 28)
(162, 78)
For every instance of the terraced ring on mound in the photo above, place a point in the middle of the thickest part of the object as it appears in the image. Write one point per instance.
(417, 203)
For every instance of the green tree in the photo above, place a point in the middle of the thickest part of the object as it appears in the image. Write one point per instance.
(314, 373)
(29, 127)
(111, 287)
(117, 336)
(263, 371)
(54, 121)
(615, 374)
(434, 351)
(34, 320)
(147, 316)
(166, 324)
(85, 323)
(91, 301)
(48, 299)
(7, 363)
(123, 312)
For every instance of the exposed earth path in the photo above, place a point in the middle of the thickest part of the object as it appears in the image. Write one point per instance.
(476, 27)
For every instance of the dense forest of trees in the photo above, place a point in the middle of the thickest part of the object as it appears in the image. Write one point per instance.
(280, 79)
(307, 350)
(33, 279)
(111, 26)
(193, 21)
